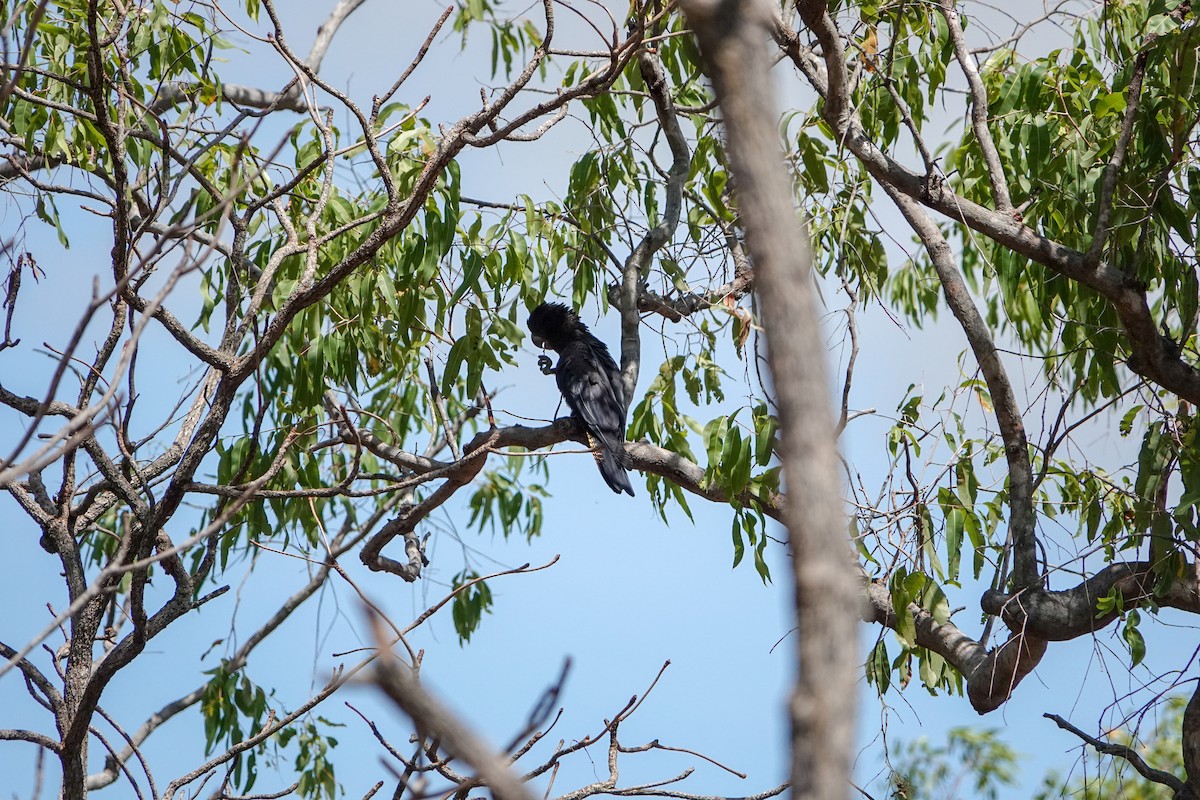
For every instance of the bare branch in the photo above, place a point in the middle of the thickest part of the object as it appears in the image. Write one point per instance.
(433, 719)
(1125, 752)
(1112, 170)
(852, 328)
(979, 108)
(40, 739)
(633, 275)
(1022, 521)
(378, 102)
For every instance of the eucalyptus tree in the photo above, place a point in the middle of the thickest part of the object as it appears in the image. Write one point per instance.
(340, 309)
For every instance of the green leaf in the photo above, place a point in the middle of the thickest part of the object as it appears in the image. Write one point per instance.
(469, 605)
(955, 524)
(1133, 638)
(906, 625)
(879, 667)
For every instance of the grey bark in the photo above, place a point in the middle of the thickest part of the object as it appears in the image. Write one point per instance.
(733, 40)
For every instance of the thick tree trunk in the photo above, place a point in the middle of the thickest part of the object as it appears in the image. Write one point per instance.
(733, 41)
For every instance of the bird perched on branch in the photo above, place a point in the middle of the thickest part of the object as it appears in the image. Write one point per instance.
(590, 382)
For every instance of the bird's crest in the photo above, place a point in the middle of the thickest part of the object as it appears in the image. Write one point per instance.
(554, 324)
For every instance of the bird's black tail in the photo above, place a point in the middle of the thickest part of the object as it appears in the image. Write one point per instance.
(614, 472)
(612, 466)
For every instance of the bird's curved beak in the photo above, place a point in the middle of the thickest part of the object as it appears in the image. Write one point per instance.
(539, 342)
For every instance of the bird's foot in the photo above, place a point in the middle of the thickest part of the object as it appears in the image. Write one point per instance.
(546, 365)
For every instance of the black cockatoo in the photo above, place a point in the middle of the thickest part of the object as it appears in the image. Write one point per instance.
(590, 382)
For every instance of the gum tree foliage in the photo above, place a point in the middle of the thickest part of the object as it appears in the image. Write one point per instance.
(972, 763)
(356, 308)
(977, 763)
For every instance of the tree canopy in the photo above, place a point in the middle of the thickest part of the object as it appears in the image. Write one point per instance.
(301, 325)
